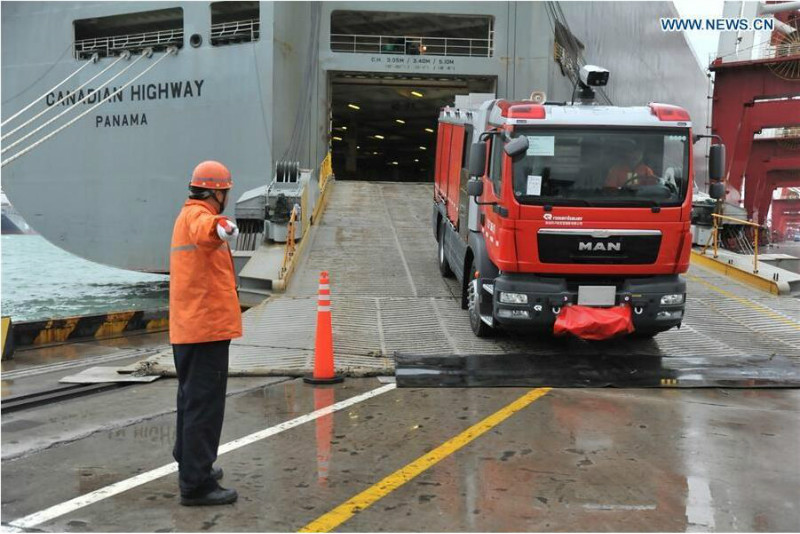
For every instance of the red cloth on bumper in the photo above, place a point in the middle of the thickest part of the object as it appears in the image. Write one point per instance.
(594, 323)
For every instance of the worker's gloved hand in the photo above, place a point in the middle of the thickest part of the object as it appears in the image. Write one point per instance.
(227, 230)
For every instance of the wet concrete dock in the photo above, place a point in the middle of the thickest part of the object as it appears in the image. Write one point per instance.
(586, 460)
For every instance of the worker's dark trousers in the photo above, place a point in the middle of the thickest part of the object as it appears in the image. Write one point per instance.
(202, 370)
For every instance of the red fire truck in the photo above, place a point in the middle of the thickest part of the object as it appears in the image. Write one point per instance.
(552, 212)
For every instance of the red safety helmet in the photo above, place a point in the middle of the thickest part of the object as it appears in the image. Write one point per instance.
(211, 175)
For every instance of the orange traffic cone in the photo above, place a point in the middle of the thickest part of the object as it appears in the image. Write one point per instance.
(323, 350)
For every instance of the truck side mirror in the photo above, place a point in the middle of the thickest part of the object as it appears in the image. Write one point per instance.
(716, 162)
(517, 146)
(477, 159)
(475, 188)
(716, 190)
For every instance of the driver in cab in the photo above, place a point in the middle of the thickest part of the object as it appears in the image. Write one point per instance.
(631, 170)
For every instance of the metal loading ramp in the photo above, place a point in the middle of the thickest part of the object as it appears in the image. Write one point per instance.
(376, 241)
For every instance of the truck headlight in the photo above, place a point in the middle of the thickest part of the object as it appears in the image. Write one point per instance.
(671, 300)
(513, 298)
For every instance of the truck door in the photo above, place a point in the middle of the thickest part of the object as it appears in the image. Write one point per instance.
(440, 188)
(454, 172)
(463, 199)
(494, 193)
(443, 161)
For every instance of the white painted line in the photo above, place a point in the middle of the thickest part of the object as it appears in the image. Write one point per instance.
(397, 242)
(381, 335)
(634, 507)
(77, 503)
(699, 505)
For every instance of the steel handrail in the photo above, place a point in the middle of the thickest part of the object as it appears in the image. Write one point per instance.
(451, 46)
(289, 249)
(237, 28)
(715, 236)
(114, 43)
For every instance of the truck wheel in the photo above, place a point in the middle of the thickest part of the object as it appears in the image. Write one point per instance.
(479, 328)
(444, 267)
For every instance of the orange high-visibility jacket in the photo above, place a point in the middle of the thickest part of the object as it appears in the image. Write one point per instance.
(619, 175)
(203, 304)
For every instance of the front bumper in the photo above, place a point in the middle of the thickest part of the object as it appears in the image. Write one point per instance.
(546, 297)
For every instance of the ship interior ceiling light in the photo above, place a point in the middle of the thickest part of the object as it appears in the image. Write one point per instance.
(337, 138)
(429, 130)
(353, 106)
(423, 148)
(399, 121)
(417, 94)
(377, 136)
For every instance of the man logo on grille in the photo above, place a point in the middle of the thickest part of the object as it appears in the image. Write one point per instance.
(599, 246)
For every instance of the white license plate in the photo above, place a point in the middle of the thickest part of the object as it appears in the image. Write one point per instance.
(597, 295)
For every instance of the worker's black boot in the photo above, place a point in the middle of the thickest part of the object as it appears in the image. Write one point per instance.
(217, 496)
(216, 472)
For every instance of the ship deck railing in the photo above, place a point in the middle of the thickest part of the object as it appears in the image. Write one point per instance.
(781, 51)
(238, 31)
(412, 46)
(115, 44)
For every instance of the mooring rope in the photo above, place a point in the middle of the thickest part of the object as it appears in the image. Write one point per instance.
(74, 106)
(171, 50)
(59, 84)
(65, 97)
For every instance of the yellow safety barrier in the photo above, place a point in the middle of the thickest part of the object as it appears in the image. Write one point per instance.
(715, 236)
(28, 334)
(7, 339)
(292, 251)
(288, 251)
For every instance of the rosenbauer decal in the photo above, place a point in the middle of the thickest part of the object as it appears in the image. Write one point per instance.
(562, 220)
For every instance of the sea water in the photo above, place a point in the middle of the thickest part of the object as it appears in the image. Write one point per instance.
(41, 281)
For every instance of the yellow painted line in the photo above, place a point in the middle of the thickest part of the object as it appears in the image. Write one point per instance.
(370, 496)
(736, 273)
(749, 303)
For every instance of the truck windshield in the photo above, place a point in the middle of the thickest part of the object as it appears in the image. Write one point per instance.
(608, 167)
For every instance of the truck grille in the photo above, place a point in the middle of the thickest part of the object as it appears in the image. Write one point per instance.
(620, 247)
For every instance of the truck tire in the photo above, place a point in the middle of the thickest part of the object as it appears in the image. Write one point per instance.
(479, 328)
(444, 267)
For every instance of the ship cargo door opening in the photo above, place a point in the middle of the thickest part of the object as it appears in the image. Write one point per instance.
(384, 125)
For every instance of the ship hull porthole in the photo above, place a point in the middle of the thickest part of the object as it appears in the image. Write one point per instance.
(196, 40)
